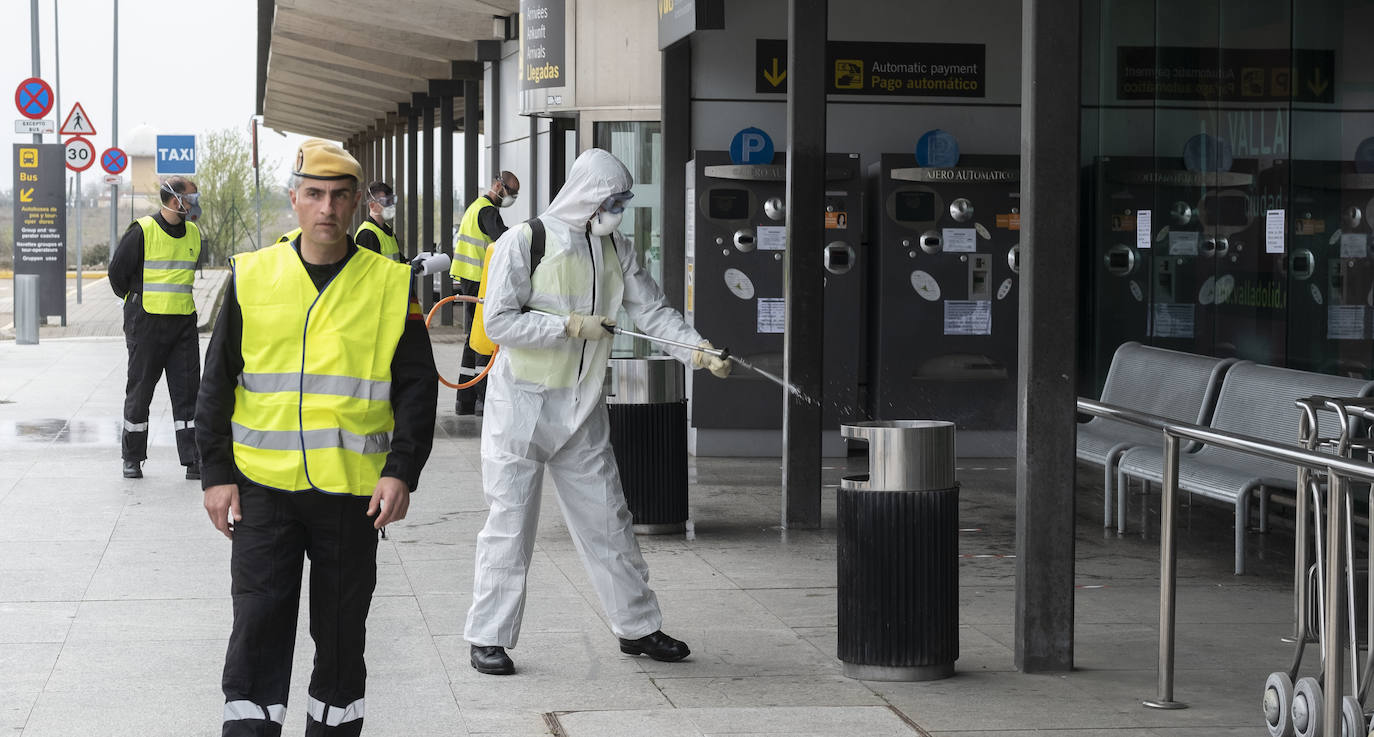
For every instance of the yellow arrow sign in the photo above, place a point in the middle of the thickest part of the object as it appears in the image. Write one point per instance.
(26, 195)
(1317, 85)
(775, 78)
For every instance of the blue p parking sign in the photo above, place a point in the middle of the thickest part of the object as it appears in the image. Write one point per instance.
(176, 155)
(751, 146)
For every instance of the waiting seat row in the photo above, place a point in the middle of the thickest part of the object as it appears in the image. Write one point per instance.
(1225, 394)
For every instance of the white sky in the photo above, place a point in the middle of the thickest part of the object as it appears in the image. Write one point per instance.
(184, 67)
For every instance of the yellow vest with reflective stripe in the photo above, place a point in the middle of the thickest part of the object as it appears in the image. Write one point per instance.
(386, 242)
(558, 286)
(289, 236)
(169, 269)
(477, 332)
(470, 246)
(313, 406)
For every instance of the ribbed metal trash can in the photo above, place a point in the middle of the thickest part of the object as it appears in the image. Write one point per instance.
(647, 401)
(898, 554)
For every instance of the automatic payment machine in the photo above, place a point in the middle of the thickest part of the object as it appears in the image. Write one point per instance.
(1331, 274)
(736, 239)
(943, 307)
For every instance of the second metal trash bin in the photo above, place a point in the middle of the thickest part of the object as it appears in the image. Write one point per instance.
(898, 569)
(647, 402)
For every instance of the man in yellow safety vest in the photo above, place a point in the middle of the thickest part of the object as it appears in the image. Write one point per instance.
(480, 226)
(153, 271)
(375, 234)
(316, 415)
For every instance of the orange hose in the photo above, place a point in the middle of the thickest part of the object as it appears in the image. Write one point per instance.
(430, 316)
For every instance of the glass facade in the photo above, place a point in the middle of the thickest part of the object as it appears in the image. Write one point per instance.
(1228, 155)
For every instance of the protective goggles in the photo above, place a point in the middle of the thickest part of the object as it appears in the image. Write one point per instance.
(615, 204)
(187, 199)
(385, 200)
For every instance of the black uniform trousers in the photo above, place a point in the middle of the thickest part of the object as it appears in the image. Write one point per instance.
(472, 362)
(277, 530)
(159, 343)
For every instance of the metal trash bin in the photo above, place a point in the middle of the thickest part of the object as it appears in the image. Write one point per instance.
(898, 566)
(647, 402)
(26, 308)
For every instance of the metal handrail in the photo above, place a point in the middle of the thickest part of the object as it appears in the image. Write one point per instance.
(1338, 470)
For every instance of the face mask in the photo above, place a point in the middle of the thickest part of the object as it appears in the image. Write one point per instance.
(186, 203)
(193, 213)
(606, 223)
(389, 212)
(508, 200)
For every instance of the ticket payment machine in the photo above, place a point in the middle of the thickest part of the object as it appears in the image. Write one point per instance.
(943, 307)
(736, 240)
(1330, 269)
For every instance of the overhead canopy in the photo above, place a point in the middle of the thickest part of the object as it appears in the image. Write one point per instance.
(334, 68)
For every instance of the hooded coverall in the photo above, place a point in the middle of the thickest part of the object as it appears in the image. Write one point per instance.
(545, 407)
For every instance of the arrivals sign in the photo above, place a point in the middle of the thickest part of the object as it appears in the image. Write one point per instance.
(543, 27)
(1231, 75)
(884, 69)
(40, 221)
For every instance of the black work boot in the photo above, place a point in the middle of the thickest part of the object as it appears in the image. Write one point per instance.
(492, 660)
(657, 646)
(193, 471)
(133, 470)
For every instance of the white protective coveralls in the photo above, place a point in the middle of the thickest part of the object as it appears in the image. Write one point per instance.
(546, 407)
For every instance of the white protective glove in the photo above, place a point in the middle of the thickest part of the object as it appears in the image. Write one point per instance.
(588, 327)
(710, 361)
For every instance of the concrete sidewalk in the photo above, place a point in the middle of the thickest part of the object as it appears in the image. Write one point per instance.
(115, 609)
(100, 312)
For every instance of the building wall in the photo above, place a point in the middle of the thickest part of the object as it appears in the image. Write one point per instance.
(723, 87)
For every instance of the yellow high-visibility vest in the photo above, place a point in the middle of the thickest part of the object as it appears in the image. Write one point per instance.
(470, 246)
(289, 236)
(313, 406)
(169, 269)
(477, 332)
(387, 242)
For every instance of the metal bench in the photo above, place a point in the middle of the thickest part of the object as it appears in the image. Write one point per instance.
(1171, 384)
(1258, 401)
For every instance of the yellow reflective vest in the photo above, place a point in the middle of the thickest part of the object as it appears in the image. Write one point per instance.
(387, 242)
(477, 332)
(470, 247)
(289, 236)
(169, 269)
(313, 406)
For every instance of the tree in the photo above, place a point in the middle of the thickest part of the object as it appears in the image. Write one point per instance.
(225, 180)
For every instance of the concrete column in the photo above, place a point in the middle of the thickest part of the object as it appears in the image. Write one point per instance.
(445, 236)
(402, 220)
(427, 240)
(804, 321)
(413, 195)
(1045, 428)
(472, 91)
(677, 151)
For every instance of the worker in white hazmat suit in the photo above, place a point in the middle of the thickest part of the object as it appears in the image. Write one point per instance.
(545, 409)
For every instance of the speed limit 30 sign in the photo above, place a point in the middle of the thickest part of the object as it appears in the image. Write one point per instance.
(80, 154)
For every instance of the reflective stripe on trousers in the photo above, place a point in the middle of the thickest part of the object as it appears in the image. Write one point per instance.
(135, 426)
(333, 716)
(327, 437)
(337, 386)
(236, 710)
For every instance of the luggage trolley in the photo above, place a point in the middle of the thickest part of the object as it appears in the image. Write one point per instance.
(1294, 708)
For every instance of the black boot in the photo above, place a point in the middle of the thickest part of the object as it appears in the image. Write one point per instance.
(193, 471)
(492, 660)
(657, 646)
(133, 470)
